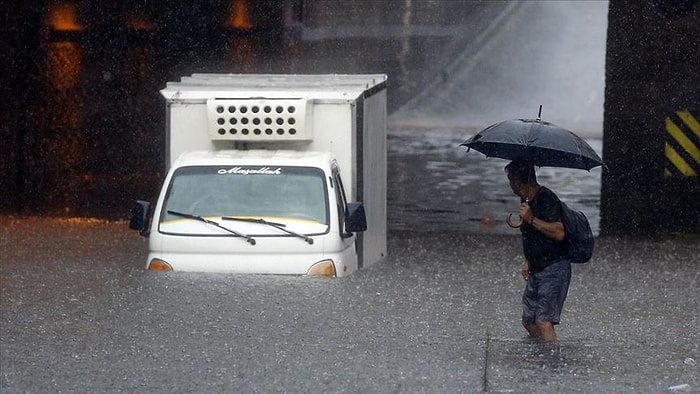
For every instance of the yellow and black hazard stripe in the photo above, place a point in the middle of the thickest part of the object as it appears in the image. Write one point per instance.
(682, 144)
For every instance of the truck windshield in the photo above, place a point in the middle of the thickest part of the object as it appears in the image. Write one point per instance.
(248, 192)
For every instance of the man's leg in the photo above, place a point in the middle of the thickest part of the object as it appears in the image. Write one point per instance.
(529, 308)
(553, 287)
(546, 330)
(532, 329)
(542, 330)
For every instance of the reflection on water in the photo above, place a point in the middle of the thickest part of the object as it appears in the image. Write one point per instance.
(436, 185)
(63, 64)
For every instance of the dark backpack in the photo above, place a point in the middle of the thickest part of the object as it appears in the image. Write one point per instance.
(578, 234)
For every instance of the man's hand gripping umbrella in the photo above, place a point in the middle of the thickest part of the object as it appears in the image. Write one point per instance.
(524, 210)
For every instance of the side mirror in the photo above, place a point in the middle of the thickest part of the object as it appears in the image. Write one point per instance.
(355, 218)
(140, 217)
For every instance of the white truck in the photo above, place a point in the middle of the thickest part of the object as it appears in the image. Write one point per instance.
(261, 172)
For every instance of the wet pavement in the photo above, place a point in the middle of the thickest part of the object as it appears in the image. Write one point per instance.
(440, 314)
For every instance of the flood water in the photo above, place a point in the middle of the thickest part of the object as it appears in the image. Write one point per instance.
(436, 185)
(441, 314)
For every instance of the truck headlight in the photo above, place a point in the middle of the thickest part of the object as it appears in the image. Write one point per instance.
(322, 268)
(159, 265)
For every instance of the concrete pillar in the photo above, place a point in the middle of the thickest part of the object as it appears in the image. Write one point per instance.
(651, 137)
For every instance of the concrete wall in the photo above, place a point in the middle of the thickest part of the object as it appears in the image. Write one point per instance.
(652, 86)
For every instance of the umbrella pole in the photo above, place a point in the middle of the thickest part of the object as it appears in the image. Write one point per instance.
(539, 114)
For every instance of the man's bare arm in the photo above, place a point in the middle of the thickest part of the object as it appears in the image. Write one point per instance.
(554, 230)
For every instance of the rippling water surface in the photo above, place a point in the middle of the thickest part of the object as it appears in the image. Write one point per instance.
(436, 185)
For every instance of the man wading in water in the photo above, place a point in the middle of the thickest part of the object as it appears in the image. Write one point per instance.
(547, 268)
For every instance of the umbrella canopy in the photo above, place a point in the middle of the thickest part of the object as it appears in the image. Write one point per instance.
(541, 143)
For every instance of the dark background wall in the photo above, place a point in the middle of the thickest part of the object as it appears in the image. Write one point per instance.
(652, 71)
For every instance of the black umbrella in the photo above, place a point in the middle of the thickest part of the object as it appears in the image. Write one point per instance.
(541, 143)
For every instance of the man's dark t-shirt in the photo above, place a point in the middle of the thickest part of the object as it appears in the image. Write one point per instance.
(539, 250)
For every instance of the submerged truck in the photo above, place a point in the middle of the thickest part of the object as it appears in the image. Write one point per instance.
(270, 174)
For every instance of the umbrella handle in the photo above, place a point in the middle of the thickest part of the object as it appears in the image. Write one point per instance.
(520, 223)
(511, 224)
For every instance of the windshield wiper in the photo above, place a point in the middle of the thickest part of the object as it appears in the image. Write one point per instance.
(280, 226)
(213, 223)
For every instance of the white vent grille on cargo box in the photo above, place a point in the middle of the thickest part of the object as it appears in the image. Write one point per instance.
(259, 119)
